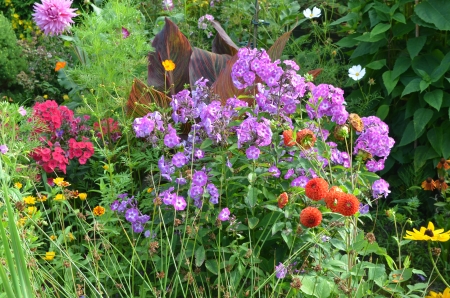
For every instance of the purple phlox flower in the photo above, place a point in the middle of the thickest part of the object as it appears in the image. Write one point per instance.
(252, 152)
(380, 188)
(179, 159)
(147, 233)
(199, 178)
(213, 192)
(275, 171)
(123, 206)
(3, 149)
(59, 133)
(363, 208)
(224, 215)
(199, 154)
(53, 16)
(179, 203)
(167, 196)
(229, 165)
(300, 181)
(171, 139)
(137, 227)
(122, 196)
(252, 131)
(289, 173)
(167, 4)
(115, 205)
(166, 169)
(280, 271)
(143, 127)
(196, 192)
(125, 32)
(329, 101)
(22, 111)
(181, 181)
(132, 215)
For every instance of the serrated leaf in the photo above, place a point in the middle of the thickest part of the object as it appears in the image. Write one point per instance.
(415, 45)
(379, 28)
(434, 98)
(200, 255)
(389, 83)
(434, 12)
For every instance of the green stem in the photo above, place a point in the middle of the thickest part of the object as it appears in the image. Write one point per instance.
(435, 267)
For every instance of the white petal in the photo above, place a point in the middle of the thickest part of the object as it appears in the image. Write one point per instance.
(316, 12)
(307, 13)
(362, 73)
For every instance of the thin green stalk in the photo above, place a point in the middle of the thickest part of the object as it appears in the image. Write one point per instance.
(435, 267)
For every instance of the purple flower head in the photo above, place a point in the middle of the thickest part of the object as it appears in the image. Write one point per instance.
(53, 16)
(380, 188)
(363, 208)
(122, 196)
(199, 154)
(22, 111)
(179, 159)
(166, 169)
(115, 205)
(275, 171)
(171, 139)
(179, 203)
(3, 149)
(289, 173)
(125, 32)
(167, 196)
(143, 127)
(137, 227)
(167, 4)
(224, 215)
(252, 153)
(147, 234)
(300, 181)
(213, 192)
(280, 271)
(132, 215)
(199, 178)
(181, 181)
(196, 192)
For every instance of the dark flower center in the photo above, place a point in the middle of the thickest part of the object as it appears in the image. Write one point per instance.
(429, 232)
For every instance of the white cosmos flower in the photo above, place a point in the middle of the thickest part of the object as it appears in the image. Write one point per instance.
(356, 72)
(315, 13)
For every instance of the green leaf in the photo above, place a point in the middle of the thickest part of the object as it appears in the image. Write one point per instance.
(435, 138)
(316, 286)
(380, 28)
(421, 118)
(434, 98)
(378, 64)
(413, 86)
(399, 17)
(443, 67)
(350, 17)
(369, 38)
(401, 65)
(278, 226)
(383, 111)
(251, 197)
(212, 266)
(348, 41)
(415, 45)
(389, 83)
(424, 85)
(435, 12)
(206, 144)
(253, 222)
(200, 256)
(408, 135)
(421, 155)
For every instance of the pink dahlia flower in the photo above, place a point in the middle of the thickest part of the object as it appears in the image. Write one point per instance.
(53, 16)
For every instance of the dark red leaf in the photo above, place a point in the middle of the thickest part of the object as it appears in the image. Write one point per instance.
(141, 96)
(222, 43)
(277, 48)
(169, 44)
(207, 65)
(315, 72)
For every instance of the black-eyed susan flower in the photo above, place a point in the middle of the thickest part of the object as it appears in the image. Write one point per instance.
(49, 256)
(168, 65)
(445, 294)
(29, 200)
(429, 184)
(427, 234)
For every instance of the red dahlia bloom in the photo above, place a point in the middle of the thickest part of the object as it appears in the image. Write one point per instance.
(347, 205)
(316, 189)
(283, 199)
(332, 198)
(287, 135)
(306, 138)
(310, 217)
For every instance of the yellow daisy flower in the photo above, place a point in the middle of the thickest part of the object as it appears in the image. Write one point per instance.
(429, 233)
(18, 185)
(49, 256)
(29, 200)
(53, 237)
(168, 65)
(82, 196)
(41, 198)
(59, 197)
(446, 294)
(31, 210)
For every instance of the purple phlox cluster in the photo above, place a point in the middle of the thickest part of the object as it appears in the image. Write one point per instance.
(339, 157)
(203, 23)
(213, 193)
(280, 271)
(364, 208)
(171, 139)
(53, 16)
(327, 100)
(300, 181)
(187, 108)
(167, 4)
(3, 149)
(128, 207)
(319, 132)
(171, 198)
(215, 118)
(380, 188)
(166, 168)
(199, 180)
(252, 152)
(275, 171)
(288, 174)
(179, 159)
(254, 132)
(375, 140)
(224, 215)
(145, 126)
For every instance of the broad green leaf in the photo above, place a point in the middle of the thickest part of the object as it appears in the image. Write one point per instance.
(389, 83)
(434, 12)
(424, 85)
(378, 64)
(399, 17)
(413, 86)
(446, 141)
(369, 38)
(443, 67)
(435, 138)
(316, 286)
(380, 28)
(415, 45)
(434, 98)
(253, 222)
(212, 266)
(348, 41)
(278, 226)
(421, 155)
(350, 17)
(383, 111)
(401, 65)
(421, 118)
(251, 197)
(200, 256)
(408, 135)
(206, 144)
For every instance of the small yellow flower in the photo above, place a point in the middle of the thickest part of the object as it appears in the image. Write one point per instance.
(60, 65)
(53, 237)
(18, 185)
(59, 197)
(31, 210)
(106, 167)
(58, 181)
(41, 198)
(168, 65)
(29, 200)
(82, 196)
(66, 97)
(99, 211)
(71, 237)
(49, 256)
(45, 96)
(149, 190)
(445, 294)
(428, 233)
(21, 222)
(16, 16)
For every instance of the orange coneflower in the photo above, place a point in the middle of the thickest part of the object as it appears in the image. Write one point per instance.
(443, 163)
(429, 184)
(441, 185)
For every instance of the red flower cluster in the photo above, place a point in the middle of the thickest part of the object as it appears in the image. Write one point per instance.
(310, 217)
(316, 189)
(81, 150)
(108, 127)
(51, 160)
(51, 114)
